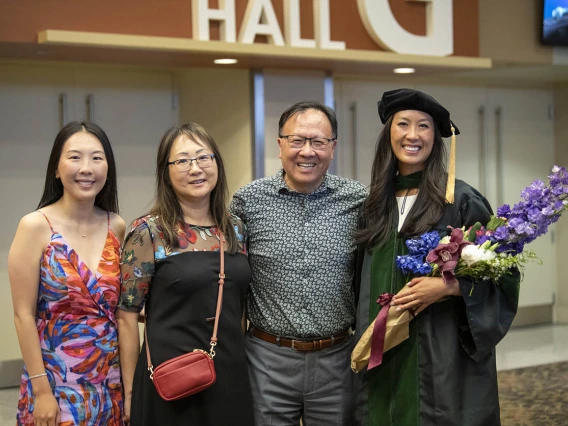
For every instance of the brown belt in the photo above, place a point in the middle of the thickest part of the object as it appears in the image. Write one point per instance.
(302, 345)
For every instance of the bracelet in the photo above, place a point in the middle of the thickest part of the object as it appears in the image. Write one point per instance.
(37, 375)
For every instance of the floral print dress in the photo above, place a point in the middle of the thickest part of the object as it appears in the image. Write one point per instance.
(78, 335)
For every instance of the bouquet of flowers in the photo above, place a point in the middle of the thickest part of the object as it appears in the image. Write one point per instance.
(486, 252)
(482, 252)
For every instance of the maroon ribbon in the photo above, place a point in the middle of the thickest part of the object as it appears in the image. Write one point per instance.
(378, 339)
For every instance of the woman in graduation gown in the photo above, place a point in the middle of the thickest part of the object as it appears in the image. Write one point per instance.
(445, 372)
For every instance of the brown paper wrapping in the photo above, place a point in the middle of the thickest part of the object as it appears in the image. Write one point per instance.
(396, 333)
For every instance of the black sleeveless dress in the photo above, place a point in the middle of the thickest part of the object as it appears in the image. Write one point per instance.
(180, 307)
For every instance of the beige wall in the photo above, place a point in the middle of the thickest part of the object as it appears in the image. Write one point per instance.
(220, 100)
(561, 137)
(132, 104)
(509, 31)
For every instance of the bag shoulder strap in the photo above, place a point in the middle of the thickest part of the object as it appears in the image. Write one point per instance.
(221, 282)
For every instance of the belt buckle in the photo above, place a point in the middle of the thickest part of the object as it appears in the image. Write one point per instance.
(298, 349)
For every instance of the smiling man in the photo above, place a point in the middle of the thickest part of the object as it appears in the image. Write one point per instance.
(301, 224)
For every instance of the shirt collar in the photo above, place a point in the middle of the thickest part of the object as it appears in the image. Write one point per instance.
(328, 183)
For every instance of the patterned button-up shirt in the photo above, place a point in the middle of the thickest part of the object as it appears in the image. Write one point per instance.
(301, 251)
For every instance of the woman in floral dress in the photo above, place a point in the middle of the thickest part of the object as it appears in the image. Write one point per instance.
(170, 265)
(65, 277)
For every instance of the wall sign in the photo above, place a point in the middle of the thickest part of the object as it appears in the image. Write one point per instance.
(376, 15)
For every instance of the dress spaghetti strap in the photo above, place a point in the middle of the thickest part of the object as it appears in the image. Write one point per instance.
(49, 223)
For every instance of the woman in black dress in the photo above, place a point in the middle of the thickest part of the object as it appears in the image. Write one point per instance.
(170, 265)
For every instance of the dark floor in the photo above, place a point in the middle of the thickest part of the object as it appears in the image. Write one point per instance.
(534, 396)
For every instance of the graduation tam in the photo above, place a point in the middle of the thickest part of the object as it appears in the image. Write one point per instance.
(397, 100)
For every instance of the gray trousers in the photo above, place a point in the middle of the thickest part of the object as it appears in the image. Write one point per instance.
(287, 384)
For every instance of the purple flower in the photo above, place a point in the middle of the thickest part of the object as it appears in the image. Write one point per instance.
(524, 228)
(504, 211)
(514, 227)
(559, 176)
(449, 273)
(446, 255)
(412, 264)
(481, 239)
(425, 268)
(534, 214)
(515, 223)
(501, 233)
(548, 211)
(512, 248)
(533, 191)
(529, 219)
(423, 244)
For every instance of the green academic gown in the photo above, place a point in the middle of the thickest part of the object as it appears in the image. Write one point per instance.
(445, 373)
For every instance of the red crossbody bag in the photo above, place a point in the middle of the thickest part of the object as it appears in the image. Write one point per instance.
(192, 372)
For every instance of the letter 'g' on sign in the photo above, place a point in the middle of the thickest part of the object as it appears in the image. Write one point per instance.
(383, 27)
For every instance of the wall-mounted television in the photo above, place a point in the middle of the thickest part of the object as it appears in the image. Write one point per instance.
(555, 22)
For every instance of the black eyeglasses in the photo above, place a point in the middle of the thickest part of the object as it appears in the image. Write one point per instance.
(184, 164)
(298, 142)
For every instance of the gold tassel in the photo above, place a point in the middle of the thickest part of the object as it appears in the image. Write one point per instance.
(451, 170)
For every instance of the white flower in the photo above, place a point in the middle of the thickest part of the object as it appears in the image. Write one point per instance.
(472, 254)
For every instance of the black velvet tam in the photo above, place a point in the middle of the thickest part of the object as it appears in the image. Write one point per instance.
(397, 100)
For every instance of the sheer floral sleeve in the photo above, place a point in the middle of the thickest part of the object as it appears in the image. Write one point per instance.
(242, 236)
(137, 265)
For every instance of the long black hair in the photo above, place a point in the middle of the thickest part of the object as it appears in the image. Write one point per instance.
(379, 212)
(167, 206)
(107, 198)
